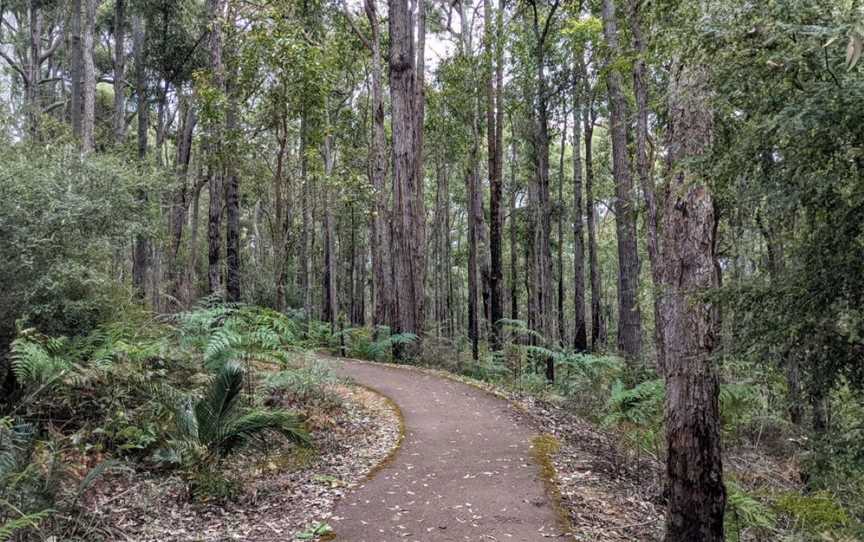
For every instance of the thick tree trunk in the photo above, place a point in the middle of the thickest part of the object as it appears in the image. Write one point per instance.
(381, 270)
(119, 121)
(408, 212)
(643, 166)
(598, 329)
(629, 314)
(88, 120)
(562, 332)
(76, 68)
(580, 336)
(689, 324)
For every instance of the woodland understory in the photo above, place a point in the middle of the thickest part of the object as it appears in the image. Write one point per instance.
(637, 221)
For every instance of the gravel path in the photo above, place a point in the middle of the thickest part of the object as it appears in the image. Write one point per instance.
(464, 471)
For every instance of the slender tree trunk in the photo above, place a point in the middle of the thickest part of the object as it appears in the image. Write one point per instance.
(643, 166)
(494, 112)
(381, 269)
(514, 245)
(580, 338)
(216, 10)
(562, 334)
(180, 202)
(629, 314)
(473, 286)
(192, 272)
(34, 71)
(141, 250)
(232, 193)
(76, 67)
(280, 229)
(329, 287)
(88, 121)
(690, 325)
(598, 334)
(306, 217)
(408, 215)
(119, 121)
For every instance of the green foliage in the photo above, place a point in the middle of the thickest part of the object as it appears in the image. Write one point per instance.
(305, 386)
(216, 425)
(39, 361)
(745, 513)
(815, 513)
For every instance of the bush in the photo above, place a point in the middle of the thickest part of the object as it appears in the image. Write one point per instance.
(307, 386)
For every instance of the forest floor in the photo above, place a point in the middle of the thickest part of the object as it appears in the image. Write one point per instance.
(285, 491)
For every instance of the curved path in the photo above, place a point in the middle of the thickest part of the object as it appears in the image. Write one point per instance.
(464, 471)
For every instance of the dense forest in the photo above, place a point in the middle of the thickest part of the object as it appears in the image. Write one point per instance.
(645, 216)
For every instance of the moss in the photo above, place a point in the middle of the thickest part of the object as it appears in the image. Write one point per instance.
(543, 450)
(815, 513)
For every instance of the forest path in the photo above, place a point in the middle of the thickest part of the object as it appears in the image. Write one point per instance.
(464, 470)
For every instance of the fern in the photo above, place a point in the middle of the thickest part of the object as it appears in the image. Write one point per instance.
(744, 512)
(39, 363)
(26, 521)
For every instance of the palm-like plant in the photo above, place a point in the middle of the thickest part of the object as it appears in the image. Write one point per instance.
(217, 425)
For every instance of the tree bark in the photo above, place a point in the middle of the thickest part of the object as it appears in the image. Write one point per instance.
(232, 191)
(629, 314)
(580, 338)
(514, 245)
(381, 269)
(408, 213)
(494, 117)
(119, 121)
(562, 333)
(215, 13)
(141, 250)
(88, 120)
(598, 333)
(180, 203)
(76, 68)
(34, 69)
(643, 166)
(690, 325)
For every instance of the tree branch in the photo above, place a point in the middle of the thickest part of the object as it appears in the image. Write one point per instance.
(354, 28)
(14, 66)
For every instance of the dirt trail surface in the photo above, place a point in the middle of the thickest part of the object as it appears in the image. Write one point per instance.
(464, 471)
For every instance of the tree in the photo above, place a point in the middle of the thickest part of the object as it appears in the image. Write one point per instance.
(629, 314)
(408, 212)
(88, 119)
(689, 323)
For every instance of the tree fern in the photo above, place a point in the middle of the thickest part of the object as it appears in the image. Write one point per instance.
(38, 363)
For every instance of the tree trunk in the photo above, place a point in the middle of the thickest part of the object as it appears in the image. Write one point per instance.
(690, 324)
(562, 334)
(88, 121)
(34, 71)
(514, 245)
(306, 216)
(76, 68)
(541, 265)
(180, 202)
(598, 334)
(141, 249)
(494, 112)
(473, 286)
(643, 166)
(580, 338)
(215, 10)
(119, 120)
(232, 193)
(408, 215)
(629, 314)
(381, 270)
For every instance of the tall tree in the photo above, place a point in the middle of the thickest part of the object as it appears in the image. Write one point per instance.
(689, 322)
(76, 68)
(232, 184)
(215, 13)
(408, 212)
(494, 60)
(540, 302)
(381, 266)
(88, 119)
(119, 120)
(141, 248)
(629, 314)
(580, 337)
(598, 328)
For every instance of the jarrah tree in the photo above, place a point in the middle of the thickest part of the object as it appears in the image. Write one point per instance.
(689, 322)
(408, 222)
(629, 313)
